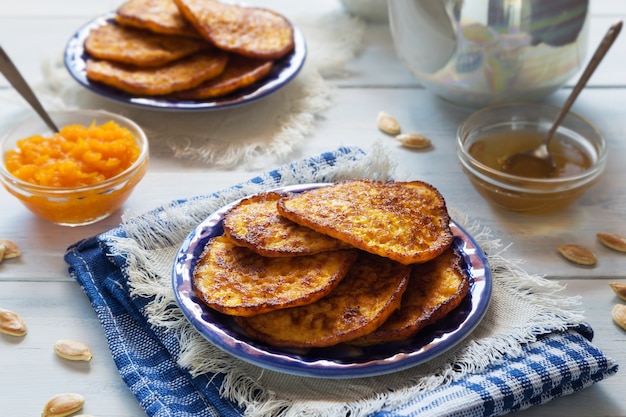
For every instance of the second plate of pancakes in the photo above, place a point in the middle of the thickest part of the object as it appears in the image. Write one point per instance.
(284, 70)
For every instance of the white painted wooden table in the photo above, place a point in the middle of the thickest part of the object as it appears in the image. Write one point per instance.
(38, 286)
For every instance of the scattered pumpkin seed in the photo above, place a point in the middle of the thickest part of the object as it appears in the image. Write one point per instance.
(11, 323)
(388, 124)
(72, 350)
(613, 241)
(11, 250)
(577, 254)
(619, 315)
(63, 405)
(619, 289)
(413, 140)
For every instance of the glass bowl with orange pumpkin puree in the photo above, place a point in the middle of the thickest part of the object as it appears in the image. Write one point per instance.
(80, 175)
(486, 138)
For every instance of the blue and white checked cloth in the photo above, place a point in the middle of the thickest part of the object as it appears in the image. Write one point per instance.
(556, 364)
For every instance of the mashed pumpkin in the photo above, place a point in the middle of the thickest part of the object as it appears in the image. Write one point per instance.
(75, 157)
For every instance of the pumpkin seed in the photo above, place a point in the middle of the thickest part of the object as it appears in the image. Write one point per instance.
(619, 315)
(577, 254)
(63, 405)
(619, 289)
(11, 250)
(72, 350)
(613, 241)
(413, 140)
(388, 124)
(11, 323)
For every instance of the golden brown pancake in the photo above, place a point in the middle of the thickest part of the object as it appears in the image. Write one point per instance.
(250, 31)
(239, 73)
(159, 16)
(361, 302)
(256, 224)
(236, 281)
(404, 221)
(435, 289)
(176, 76)
(139, 47)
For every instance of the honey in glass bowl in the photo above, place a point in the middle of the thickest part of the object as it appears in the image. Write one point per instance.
(570, 156)
(491, 135)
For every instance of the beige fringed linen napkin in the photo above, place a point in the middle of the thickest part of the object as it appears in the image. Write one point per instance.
(530, 346)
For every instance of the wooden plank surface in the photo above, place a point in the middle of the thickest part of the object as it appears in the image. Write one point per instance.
(39, 287)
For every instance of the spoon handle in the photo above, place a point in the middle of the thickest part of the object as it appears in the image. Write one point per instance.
(597, 57)
(14, 77)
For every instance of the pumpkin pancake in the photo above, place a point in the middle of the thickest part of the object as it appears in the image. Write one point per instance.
(404, 221)
(435, 289)
(236, 281)
(239, 73)
(159, 16)
(256, 224)
(361, 302)
(250, 31)
(139, 47)
(179, 75)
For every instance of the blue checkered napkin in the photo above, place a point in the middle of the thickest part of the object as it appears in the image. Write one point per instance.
(145, 355)
(556, 365)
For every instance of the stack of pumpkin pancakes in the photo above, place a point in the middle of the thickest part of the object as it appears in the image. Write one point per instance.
(357, 262)
(186, 49)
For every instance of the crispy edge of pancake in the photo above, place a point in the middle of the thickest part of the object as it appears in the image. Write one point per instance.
(227, 276)
(372, 283)
(327, 209)
(256, 224)
(239, 73)
(139, 47)
(178, 75)
(158, 16)
(251, 31)
(419, 308)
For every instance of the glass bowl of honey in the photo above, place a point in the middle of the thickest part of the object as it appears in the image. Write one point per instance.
(77, 176)
(488, 137)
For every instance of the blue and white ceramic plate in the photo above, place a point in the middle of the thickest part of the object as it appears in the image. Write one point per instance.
(340, 361)
(281, 74)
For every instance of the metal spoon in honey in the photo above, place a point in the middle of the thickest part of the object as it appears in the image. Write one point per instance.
(538, 162)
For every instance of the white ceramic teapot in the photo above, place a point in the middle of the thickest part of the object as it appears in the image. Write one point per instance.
(480, 52)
